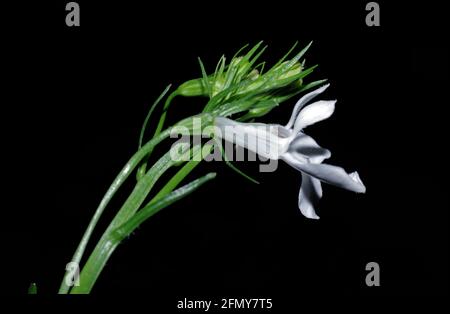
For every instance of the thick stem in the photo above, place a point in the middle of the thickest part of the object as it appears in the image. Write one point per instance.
(92, 270)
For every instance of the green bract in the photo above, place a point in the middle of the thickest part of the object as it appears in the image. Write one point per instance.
(242, 87)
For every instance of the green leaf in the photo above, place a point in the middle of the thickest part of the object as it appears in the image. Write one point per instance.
(142, 215)
(246, 64)
(181, 174)
(143, 167)
(258, 110)
(32, 289)
(239, 51)
(286, 55)
(236, 106)
(287, 81)
(152, 108)
(252, 62)
(252, 51)
(217, 99)
(205, 77)
(312, 85)
(262, 67)
(304, 88)
(298, 56)
(219, 68)
(279, 69)
(233, 167)
(143, 188)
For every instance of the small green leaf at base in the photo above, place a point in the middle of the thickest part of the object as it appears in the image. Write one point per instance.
(32, 289)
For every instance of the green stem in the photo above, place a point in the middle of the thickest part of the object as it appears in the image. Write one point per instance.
(106, 245)
(118, 181)
(110, 242)
(149, 210)
(181, 174)
(92, 269)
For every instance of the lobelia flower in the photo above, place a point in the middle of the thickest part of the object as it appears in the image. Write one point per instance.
(291, 144)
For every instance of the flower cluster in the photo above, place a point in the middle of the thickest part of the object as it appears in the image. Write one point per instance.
(242, 88)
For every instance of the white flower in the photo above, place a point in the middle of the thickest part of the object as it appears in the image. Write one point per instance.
(299, 150)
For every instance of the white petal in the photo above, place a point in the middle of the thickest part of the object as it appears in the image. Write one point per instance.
(281, 131)
(260, 138)
(327, 173)
(309, 196)
(355, 177)
(302, 102)
(308, 147)
(313, 113)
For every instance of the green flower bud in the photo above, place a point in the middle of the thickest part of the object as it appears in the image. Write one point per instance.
(192, 88)
(195, 87)
(242, 65)
(294, 70)
(253, 75)
(218, 85)
(259, 112)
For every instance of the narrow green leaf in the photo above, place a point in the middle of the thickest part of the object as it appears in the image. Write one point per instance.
(143, 167)
(247, 58)
(312, 85)
(32, 289)
(231, 73)
(239, 105)
(181, 174)
(233, 167)
(252, 62)
(143, 188)
(205, 77)
(304, 88)
(293, 78)
(252, 51)
(152, 108)
(217, 99)
(219, 68)
(286, 55)
(260, 65)
(258, 110)
(298, 56)
(239, 51)
(142, 215)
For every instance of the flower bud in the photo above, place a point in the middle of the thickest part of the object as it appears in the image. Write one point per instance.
(218, 85)
(259, 112)
(196, 87)
(253, 75)
(293, 71)
(192, 88)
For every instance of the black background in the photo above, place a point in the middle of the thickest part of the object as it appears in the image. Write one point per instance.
(74, 100)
